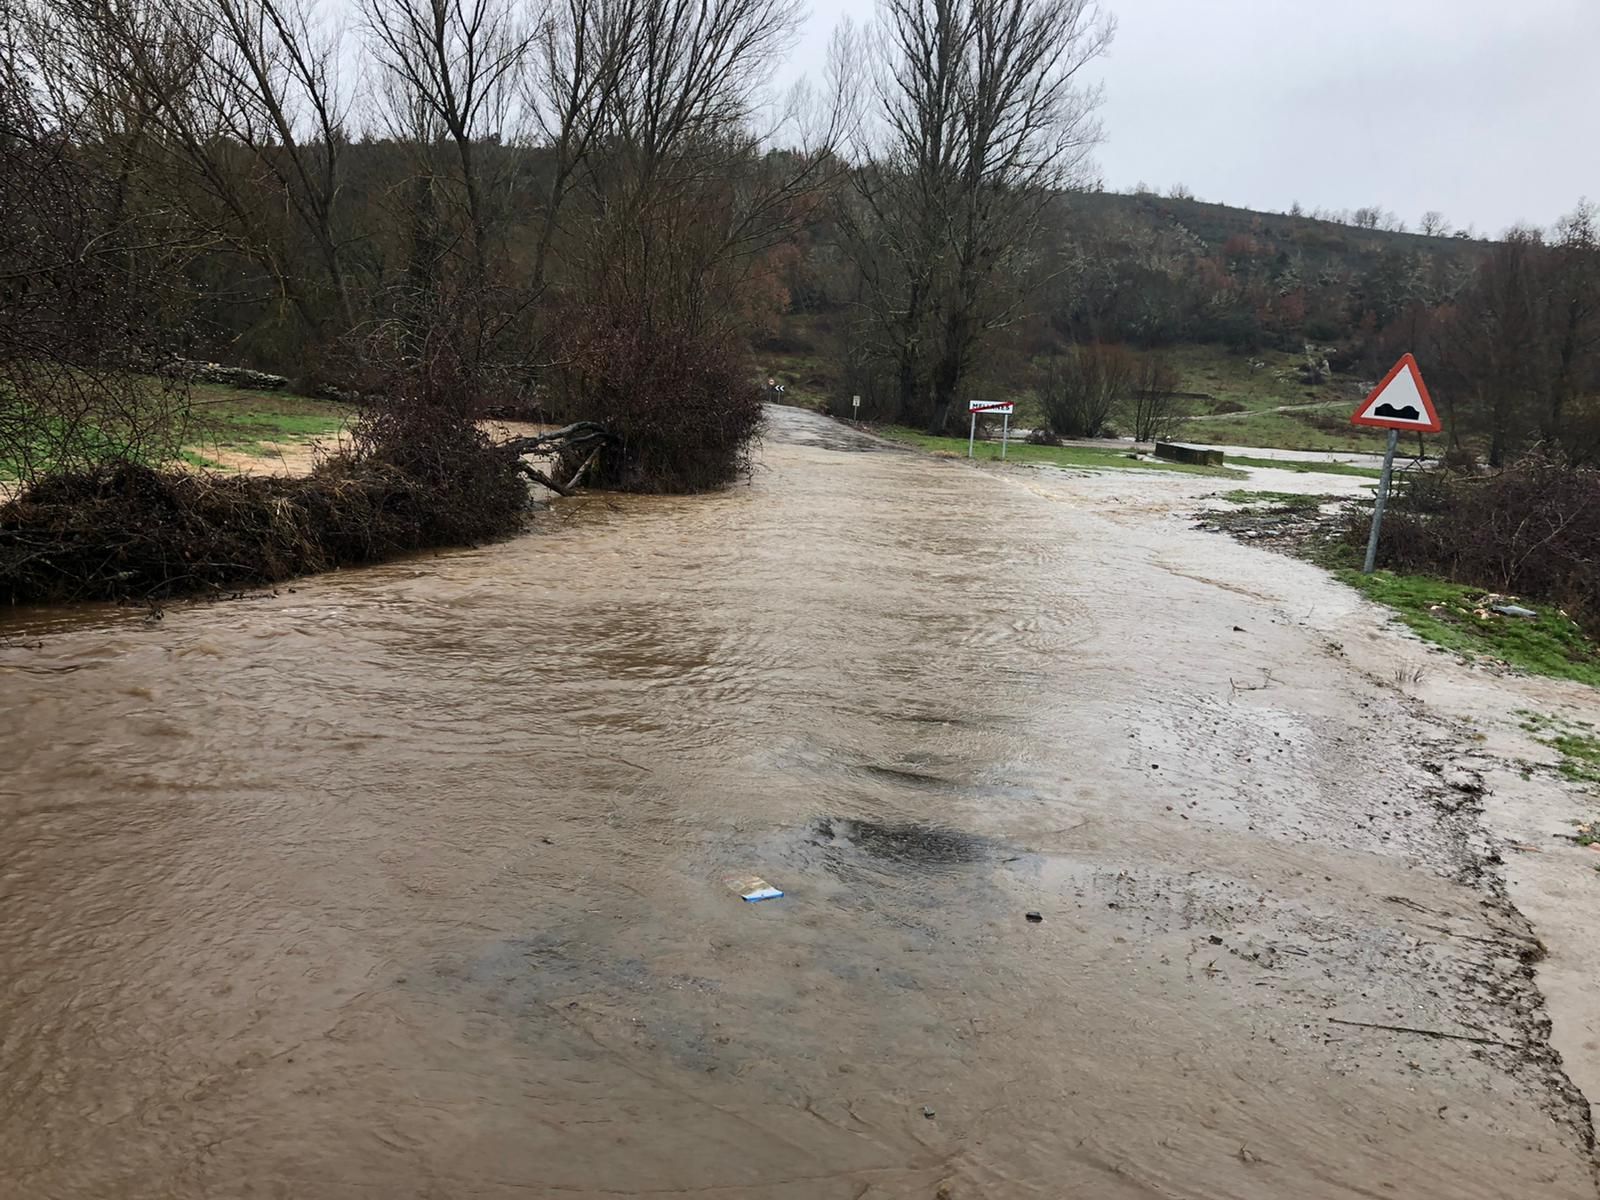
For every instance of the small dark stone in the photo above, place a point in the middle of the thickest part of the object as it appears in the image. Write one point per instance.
(1034, 918)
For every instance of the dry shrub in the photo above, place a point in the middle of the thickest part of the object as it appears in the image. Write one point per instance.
(417, 475)
(126, 531)
(1532, 530)
(1082, 388)
(473, 489)
(682, 404)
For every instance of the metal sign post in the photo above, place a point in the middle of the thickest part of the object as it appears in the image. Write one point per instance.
(972, 433)
(1400, 402)
(1005, 434)
(855, 403)
(1383, 499)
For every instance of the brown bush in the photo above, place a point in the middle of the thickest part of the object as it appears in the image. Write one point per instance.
(1532, 530)
(683, 405)
(125, 531)
(130, 532)
(1459, 460)
(1082, 387)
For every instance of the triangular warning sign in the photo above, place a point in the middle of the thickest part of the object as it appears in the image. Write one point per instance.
(1401, 401)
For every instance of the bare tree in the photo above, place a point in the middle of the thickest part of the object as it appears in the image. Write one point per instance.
(457, 65)
(233, 111)
(1433, 224)
(273, 88)
(1493, 351)
(1083, 387)
(980, 123)
(85, 277)
(1153, 405)
(1574, 318)
(676, 227)
(583, 49)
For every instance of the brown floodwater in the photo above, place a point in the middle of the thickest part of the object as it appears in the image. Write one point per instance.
(409, 882)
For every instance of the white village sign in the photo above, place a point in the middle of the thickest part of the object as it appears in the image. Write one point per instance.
(1000, 408)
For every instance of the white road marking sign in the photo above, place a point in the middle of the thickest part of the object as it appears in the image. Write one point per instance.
(996, 407)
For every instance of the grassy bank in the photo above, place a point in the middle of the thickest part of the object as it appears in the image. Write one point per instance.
(248, 422)
(1579, 747)
(225, 422)
(1461, 619)
(1325, 428)
(1278, 500)
(1090, 457)
(1230, 383)
(1318, 467)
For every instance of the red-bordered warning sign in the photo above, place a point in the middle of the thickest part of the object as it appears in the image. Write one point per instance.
(1401, 401)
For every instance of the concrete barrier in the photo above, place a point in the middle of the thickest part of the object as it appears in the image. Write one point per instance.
(1197, 456)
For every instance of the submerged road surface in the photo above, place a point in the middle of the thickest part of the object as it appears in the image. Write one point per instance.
(409, 882)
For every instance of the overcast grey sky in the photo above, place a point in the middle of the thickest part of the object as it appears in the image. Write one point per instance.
(1487, 110)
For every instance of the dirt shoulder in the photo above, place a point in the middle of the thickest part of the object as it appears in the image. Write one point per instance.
(296, 457)
(1475, 726)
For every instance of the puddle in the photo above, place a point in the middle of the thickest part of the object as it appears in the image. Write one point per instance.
(908, 845)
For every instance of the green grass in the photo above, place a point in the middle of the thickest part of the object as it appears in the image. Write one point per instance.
(1577, 744)
(1323, 467)
(234, 419)
(1056, 456)
(93, 443)
(224, 418)
(1455, 616)
(196, 459)
(808, 380)
(1308, 429)
(1229, 379)
(1273, 499)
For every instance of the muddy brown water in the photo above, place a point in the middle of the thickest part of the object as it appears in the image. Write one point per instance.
(408, 882)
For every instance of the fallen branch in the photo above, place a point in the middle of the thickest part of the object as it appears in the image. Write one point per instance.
(544, 480)
(1433, 1033)
(587, 463)
(1266, 681)
(577, 434)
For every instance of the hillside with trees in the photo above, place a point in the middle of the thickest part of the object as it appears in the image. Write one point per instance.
(1158, 276)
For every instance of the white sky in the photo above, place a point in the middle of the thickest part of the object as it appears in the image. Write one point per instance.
(1487, 110)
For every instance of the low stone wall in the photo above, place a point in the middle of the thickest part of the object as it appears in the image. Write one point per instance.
(239, 377)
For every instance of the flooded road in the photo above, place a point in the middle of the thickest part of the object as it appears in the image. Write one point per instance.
(409, 882)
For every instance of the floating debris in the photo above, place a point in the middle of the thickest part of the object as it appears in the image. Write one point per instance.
(752, 888)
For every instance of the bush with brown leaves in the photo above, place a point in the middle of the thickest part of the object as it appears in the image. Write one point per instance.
(1532, 530)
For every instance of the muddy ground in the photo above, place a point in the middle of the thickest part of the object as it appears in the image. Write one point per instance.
(409, 882)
